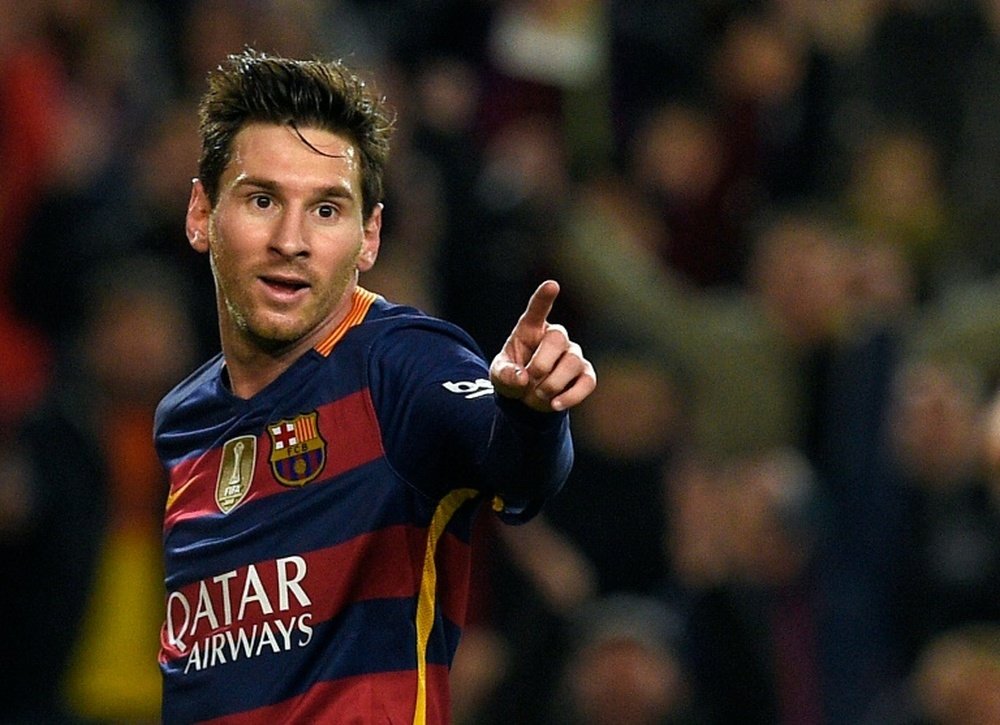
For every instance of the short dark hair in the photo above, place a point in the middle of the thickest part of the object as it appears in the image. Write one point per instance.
(255, 87)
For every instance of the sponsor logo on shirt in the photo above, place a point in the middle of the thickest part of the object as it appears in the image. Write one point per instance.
(298, 451)
(470, 389)
(240, 614)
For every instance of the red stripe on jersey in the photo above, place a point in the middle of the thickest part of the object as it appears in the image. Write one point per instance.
(383, 564)
(377, 697)
(348, 445)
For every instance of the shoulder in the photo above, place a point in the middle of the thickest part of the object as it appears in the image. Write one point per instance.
(188, 394)
(410, 331)
(412, 355)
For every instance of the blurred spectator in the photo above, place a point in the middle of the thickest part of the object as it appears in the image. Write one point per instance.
(902, 74)
(84, 599)
(956, 681)
(107, 94)
(657, 52)
(949, 558)
(430, 212)
(974, 175)
(697, 541)
(536, 579)
(839, 29)
(31, 93)
(740, 353)
(212, 29)
(481, 663)
(680, 161)
(961, 326)
(895, 192)
(784, 364)
(756, 638)
(162, 172)
(549, 59)
(775, 94)
(625, 665)
(612, 507)
(782, 626)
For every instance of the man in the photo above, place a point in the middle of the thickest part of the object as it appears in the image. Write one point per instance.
(326, 467)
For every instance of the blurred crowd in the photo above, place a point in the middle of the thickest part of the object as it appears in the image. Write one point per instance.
(777, 228)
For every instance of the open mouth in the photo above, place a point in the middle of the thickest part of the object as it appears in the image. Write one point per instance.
(284, 287)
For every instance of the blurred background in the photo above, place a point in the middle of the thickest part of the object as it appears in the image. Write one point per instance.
(776, 227)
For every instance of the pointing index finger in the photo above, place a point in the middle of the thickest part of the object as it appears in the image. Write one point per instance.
(540, 305)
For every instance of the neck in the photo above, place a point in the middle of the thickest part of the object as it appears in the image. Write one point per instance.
(252, 364)
(252, 370)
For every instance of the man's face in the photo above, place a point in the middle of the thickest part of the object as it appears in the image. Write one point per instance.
(286, 237)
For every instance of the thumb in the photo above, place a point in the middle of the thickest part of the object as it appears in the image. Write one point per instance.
(509, 379)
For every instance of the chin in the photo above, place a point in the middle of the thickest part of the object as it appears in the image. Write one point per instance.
(275, 336)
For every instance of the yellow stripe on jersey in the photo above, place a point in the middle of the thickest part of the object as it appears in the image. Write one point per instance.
(428, 589)
(361, 301)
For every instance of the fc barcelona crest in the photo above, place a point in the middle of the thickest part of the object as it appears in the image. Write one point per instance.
(298, 451)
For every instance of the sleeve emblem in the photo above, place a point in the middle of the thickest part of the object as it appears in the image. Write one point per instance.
(470, 389)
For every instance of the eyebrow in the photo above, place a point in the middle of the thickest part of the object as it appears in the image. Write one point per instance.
(336, 191)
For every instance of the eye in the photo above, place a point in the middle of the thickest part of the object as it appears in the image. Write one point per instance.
(261, 201)
(326, 211)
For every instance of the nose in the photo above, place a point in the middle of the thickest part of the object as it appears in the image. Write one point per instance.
(289, 235)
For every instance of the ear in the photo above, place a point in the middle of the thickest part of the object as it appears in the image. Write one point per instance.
(371, 241)
(199, 213)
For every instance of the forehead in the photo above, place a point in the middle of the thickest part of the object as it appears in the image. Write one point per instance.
(282, 153)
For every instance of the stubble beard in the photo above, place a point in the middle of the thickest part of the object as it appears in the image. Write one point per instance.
(269, 336)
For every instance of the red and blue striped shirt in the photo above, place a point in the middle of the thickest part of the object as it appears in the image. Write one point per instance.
(317, 534)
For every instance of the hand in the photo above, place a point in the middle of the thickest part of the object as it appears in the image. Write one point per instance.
(539, 365)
